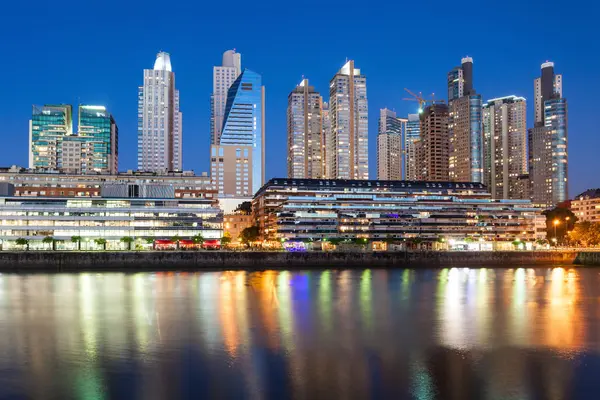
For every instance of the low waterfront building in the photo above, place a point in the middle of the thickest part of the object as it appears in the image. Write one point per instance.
(586, 206)
(30, 183)
(235, 223)
(454, 212)
(102, 222)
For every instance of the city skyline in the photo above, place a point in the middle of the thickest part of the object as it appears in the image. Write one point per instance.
(418, 72)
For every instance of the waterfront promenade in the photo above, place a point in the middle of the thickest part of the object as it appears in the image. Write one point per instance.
(255, 260)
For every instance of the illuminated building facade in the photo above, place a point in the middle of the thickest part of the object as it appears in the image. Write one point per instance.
(505, 146)
(432, 148)
(586, 206)
(411, 136)
(48, 126)
(159, 119)
(108, 218)
(389, 145)
(548, 141)
(376, 210)
(349, 133)
(305, 133)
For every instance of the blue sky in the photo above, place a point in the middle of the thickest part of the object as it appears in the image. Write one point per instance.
(94, 53)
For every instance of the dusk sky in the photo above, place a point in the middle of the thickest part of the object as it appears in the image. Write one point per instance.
(94, 53)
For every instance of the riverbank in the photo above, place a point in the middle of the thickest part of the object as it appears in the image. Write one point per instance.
(179, 260)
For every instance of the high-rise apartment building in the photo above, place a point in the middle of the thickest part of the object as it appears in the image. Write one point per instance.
(349, 133)
(223, 77)
(305, 133)
(389, 146)
(504, 146)
(326, 148)
(54, 146)
(411, 135)
(48, 126)
(159, 119)
(432, 149)
(548, 141)
(238, 159)
(464, 125)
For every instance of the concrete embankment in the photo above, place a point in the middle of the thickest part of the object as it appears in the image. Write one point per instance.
(588, 258)
(172, 260)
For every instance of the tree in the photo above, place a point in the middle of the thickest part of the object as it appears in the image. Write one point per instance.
(249, 235)
(101, 242)
(128, 240)
(198, 238)
(226, 239)
(176, 239)
(585, 234)
(76, 239)
(244, 208)
(49, 240)
(559, 221)
(23, 242)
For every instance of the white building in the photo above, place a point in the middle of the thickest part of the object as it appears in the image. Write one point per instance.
(223, 77)
(159, 119)
(504, 145)
(305, 133)
(389, 146)
(349, 134)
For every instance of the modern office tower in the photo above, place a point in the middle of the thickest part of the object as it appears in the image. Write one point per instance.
(464, 126)
(548, 141)
(49, 124)
(504, 146)
(389, 146)
(411, 136)
(238, 160)
(305, 133)
(99, 129)
(223, 77)
(349, 132)
(432, 148)
(159, 119)
(547, 86)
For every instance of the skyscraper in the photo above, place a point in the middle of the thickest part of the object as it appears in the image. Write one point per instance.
(548, 141)
(411, 136)
(326, 148)
(238, 160)
(305, 133)
(223, 77)
(48, 126)
(349, 134)
(464, 126)
(54, 146)
(389, 145)
(432, 148)
(159, 119)
(505, 145)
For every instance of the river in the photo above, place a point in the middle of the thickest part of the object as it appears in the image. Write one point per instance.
(316, 334)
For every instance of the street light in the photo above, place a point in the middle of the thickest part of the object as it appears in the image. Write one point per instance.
(556, 223)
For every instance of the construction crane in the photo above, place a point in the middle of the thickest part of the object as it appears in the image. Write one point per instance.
(421, 100)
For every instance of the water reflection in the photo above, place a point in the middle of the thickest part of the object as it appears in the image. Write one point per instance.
(452, 333)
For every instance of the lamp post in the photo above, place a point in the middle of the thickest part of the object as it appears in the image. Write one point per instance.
(556, 223)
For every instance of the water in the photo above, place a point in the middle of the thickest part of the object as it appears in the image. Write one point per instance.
(320, 334)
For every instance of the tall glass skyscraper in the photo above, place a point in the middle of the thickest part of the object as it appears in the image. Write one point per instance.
(464, 126)
(237, 161)
(98, 126)
(411, 136)
(159, 119)
(48, 126)
(54, 146)
(223, 77)
(349, 133)
(548, 141)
